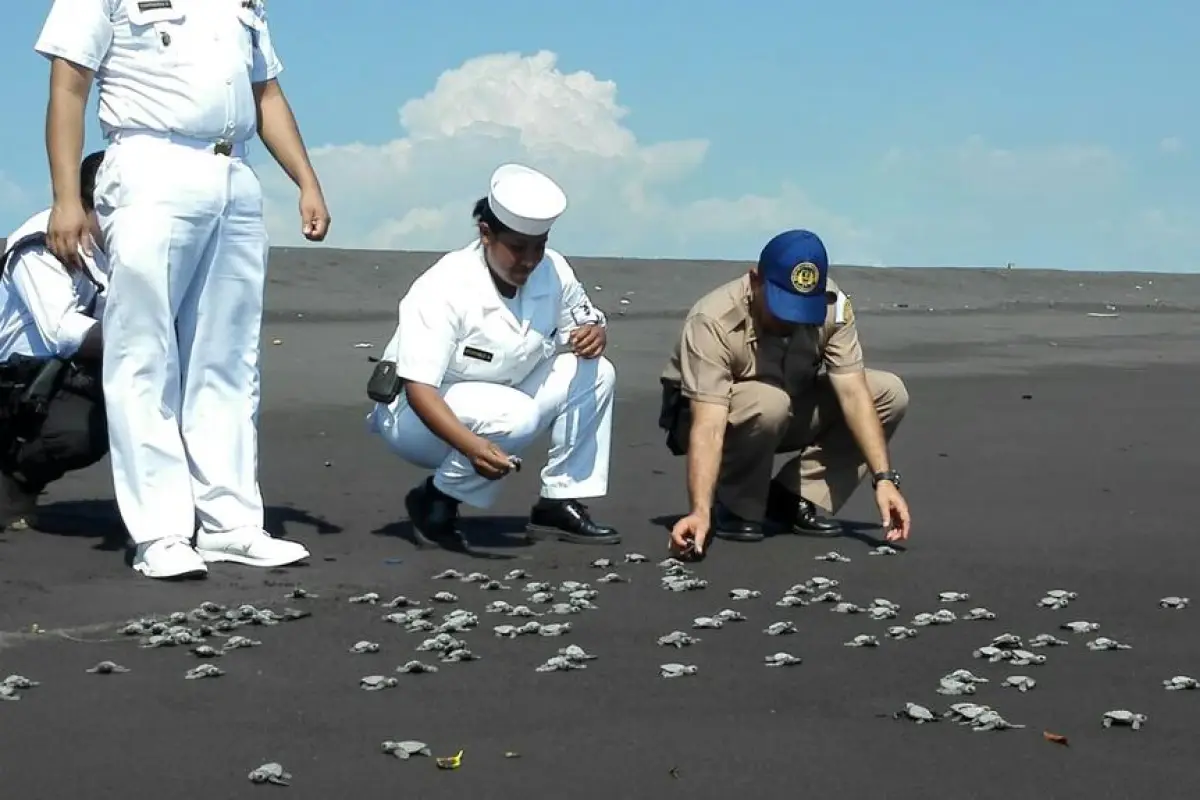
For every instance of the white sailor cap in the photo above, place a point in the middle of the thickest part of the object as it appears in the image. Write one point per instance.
(525, 200)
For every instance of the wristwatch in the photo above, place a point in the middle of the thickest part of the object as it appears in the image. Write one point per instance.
(889, 475)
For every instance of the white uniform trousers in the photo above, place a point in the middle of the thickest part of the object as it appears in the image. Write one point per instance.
(188, 250)
(571, 396)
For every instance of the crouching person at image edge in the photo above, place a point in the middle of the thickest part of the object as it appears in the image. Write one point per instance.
(473, 372)
(745, 383)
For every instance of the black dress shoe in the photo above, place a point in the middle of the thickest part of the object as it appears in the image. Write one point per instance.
(568, 521)
(727, 525)
(798, 515)
(18, 504)
(434, 517)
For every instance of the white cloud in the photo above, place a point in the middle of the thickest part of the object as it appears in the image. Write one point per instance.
(1171, 145)
(416, 192)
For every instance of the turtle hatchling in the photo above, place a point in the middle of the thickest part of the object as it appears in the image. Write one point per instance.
(461, 654)
(1054, 603)
(270, 773)
(1080, 626)
(476, 577)
(416, 668)
(522, 611)
(8, 693)
(611, 577)
(953, 597)
(883, 550)
(602, 563)
(576, 653)
(901, 632)
(533, 587)
(1178, 603)
(1047, 640)
(554, 629)
(744, 594)
(499, 607)
(541, 598)
(406, 749)
(108, 668)
(782, 660)
(239, 642)
(991, 720)
(917, 713)
(862, 640)
(965, 675)
(791, 601)
(560, 664)
(979, 614)
(832, 556)
(780, 628)
(879, 613)
(1180, 682)
(635, 558)
(370, 597)
(1122, 717)
(516, 575)
(19, 682)
(1104, 643)
(373, 683)
(729, 615)
(1009, 640)
(846, 608)
(445, 597)
(677, 670)
(204, 671)
(677, 639)
(707, 622)
(992, 654)
(1021, 683)
(955, 688)
(206, 651)
(1024, 658)
(448, 575)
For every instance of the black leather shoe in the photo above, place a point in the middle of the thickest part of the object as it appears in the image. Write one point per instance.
(727, 525)
(18, 504)
(798, 515)
(434, 518)
(568, 521)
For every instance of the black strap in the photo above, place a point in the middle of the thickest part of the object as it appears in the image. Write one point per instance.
(38, 239)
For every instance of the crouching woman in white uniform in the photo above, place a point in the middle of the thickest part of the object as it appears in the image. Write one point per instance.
(497, 343)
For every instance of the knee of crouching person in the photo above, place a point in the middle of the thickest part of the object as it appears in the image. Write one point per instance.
(891, 397)
(606, 374)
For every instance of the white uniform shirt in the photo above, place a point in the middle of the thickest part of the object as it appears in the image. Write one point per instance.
(43, 308)
(169, 66)
(455, 326)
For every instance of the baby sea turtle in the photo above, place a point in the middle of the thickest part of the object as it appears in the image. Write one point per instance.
(791, 601)
(19, 682)
(576, 653)
(448, 575)
(953, 597)
(1021, 683)
(635, 558)
(602, 563)
(541, 598)
(406, 749)
(374, 683)
(493, 586)
(952, 687)
(8, 693)
(204, 671)
(917, 713)
(516, 575)
(879, 613)
(499, 607)
(533, 587)
(677, 639)
(964, 713)
(1009, 640)
(1080, 626)
(564, 609)
(966, 676)
(370, 598)
(729, 615)
(744, 594)
(476, 577)
(991, 720)
(457, 655)
(992, 654)
(862, 640)
(1062, 594)
(883, 550)
(1123, 717)
(677, 670)
(832, 556)
(780, 628)
(1178, 603)
(901, 632)
(445, 597)
(1047, 640)
(1024, 658)
(560, 664)
(416, 668)
(206, 651)
(270, 773)
(554, 629)
(1104, 643)
(108, 668)
(522, 611)
(979, 614)
(707, 622)
(846, 608)
(684, 584)
(611, 577)
(239, 642)
(782, 660)
(1180, 682)
(883, 602)
(300, 594)
(1054, 603)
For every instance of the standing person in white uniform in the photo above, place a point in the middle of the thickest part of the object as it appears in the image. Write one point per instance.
(472, 374)
(183, 85)
(51, 403)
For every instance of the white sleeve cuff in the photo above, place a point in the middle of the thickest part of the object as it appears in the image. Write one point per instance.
(72, 330)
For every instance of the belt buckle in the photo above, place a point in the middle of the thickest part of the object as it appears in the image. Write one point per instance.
(223, 148)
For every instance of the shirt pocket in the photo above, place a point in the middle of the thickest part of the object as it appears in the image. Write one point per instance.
(156, 30)
(480, 360)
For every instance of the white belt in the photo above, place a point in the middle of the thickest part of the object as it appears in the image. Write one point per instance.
(220, 147)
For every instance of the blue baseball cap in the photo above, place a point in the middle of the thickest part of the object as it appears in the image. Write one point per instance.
(794, 268)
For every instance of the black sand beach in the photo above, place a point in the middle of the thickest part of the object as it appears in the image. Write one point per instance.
(1048, 446)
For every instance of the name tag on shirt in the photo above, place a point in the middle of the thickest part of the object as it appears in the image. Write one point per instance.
(474, 352)
(153, 5)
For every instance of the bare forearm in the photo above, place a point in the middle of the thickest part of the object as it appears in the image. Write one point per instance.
(432, 410)
(69, 87)
(279, 132)
(705, 443)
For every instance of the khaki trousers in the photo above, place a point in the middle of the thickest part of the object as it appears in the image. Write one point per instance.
(764, 421)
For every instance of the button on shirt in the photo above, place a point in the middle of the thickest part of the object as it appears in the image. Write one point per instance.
(455, 326)
(168, 66)
(720, 347)
(43, 308)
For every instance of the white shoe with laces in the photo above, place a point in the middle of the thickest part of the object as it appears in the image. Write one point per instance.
(169, 557)
(255, 548)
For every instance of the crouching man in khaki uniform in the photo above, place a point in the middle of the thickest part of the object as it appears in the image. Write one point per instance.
(744, 384)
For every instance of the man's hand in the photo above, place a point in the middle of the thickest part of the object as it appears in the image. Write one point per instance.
(314, 216)
(68, 232)
(589, 341)
(489, 460)
(689, 537)
(893, 511)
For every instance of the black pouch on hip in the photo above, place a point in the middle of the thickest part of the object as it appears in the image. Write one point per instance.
(384, 385)
(675, 417)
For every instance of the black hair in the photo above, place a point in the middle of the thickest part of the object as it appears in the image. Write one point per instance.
(87, 179)
(483, 213)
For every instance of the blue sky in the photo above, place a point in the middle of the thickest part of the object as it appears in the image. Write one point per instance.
(955, 133)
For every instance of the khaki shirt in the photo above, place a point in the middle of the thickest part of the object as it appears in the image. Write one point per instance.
(719, 347)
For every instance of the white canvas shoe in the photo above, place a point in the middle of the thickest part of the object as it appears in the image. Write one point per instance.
(255, 548)
(169, 557)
